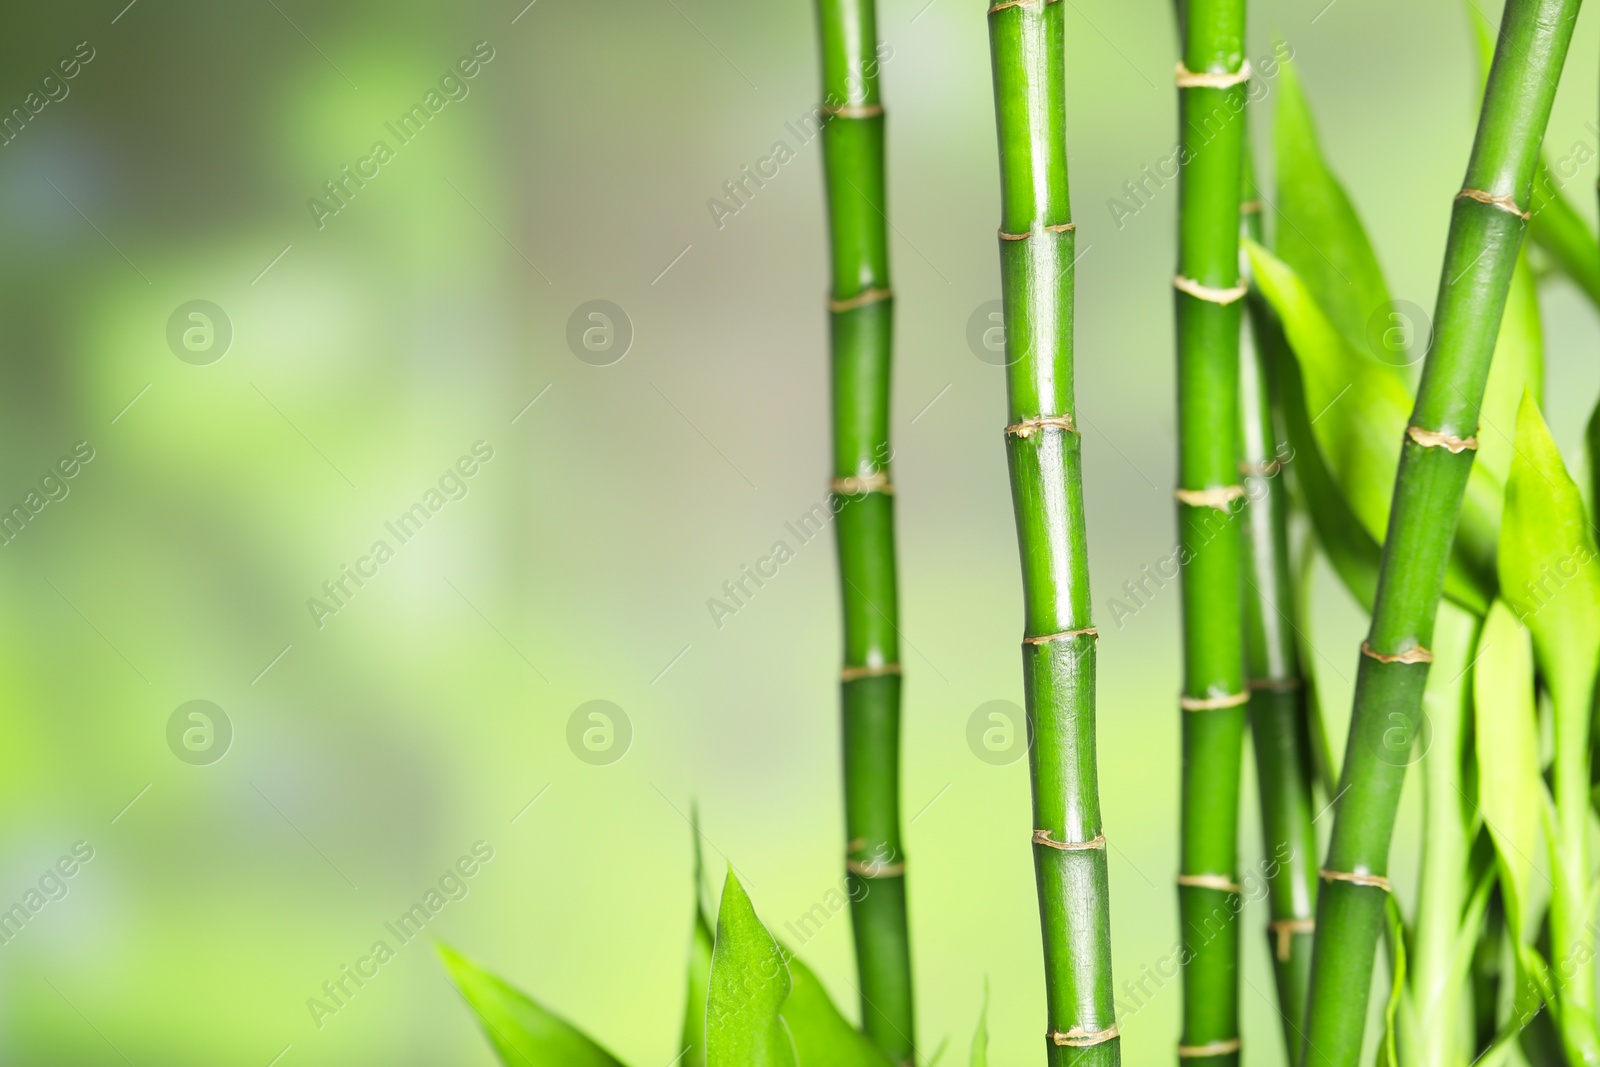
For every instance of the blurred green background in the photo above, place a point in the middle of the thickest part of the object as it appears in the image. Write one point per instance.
(370, 353)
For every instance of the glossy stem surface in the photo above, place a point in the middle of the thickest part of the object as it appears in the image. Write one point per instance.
(1486, 228)
(1044, 451)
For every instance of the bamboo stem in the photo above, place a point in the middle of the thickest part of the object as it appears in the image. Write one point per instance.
(1044, 452)
(861, 312)
(1279, 723)
(1486, 228)
(1211, 100)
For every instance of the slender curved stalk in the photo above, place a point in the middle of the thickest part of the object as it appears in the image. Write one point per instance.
(1211, 553)
(861, 330)
(1279, 722)
(1044, 452)
(1486, 228)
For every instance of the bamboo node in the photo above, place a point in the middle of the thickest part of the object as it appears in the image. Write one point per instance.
(1277, 685)
(1065, 227)
(1284, 930)
(870, 296)
(1078, 1037)
(1016, 3)
(1410, 655)
(1207, 293)
(1029, 427)
(1212, 79)
(1250, 207)
(1218, 496)
(1222, 882)
(1229, 700)
(853, 111)
(1045, 639)
(1214, 1048)
(874, 869)
(1505, 202)
(1095, 844)
(852, 674)
(1376, 881)
(1261, 470)
(1436, 439)
(876, 482)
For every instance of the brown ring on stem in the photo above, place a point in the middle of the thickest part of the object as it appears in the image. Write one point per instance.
(876, 482)
(1045, 639)
(1261, 470)
(853, 111)
(1016, 3)
(1029, 427)
(1078, 1037)
(1221, 882)
(1218, 496)
(1410, 655)
(1436, 439)
(871, 296)
(1505, 202)
(1285, 929)
(1215, 1048)
(1212, 79)
(1250, 207)
(1095, 844)
(1376, 881)
(1229, 700)
(851, 674)
(1065, 227)
(1207, 293)
(875, 870)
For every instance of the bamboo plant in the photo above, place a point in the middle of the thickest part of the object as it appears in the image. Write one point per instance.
(1279, 721)
(1486, 229)
(861, 312)
(1211, 86)
(1044, 453)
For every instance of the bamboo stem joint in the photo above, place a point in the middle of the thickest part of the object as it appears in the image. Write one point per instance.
(1212, 79)
(1410, 655)
(1078, 1037)
(1207, 293)
(1437, 439)
(1504, 202)
(1095, 844)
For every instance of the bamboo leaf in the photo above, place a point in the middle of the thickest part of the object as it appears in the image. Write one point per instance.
(1548, 569)
(980, 1036)
(1319, 233)
(1358, 412)
(693, 1041)
(1511, 792)
(522, 1032)
(1518, 365)
(748, 985)
(822, 1037)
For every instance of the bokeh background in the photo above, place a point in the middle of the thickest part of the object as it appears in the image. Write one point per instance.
(370, 352)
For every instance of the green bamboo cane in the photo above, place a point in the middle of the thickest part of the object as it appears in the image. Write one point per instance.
(1212, 98)
(861, 331)
(1486, 227)
(1279, 722)
(1044, 452)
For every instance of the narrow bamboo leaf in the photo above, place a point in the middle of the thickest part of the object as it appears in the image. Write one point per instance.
(1398, 1037)
(1358, 414)
(1591, 441)
(1319, 233)
(693, 1041)
(1511, 792)
(822, 1037)
(1548, 569)
(1351, 551)
(980, 1036)
(1518, 365)
(748, 985)
(523, 1033)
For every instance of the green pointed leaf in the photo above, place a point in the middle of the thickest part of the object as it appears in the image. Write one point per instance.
(980, 1037)
(1318, 231)
(821, 1034)
(1511, 792)
(1548, 569)
(1518, 365)
(693, 1042)
(748, 985)
(1357, 411)
(523, 1033)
